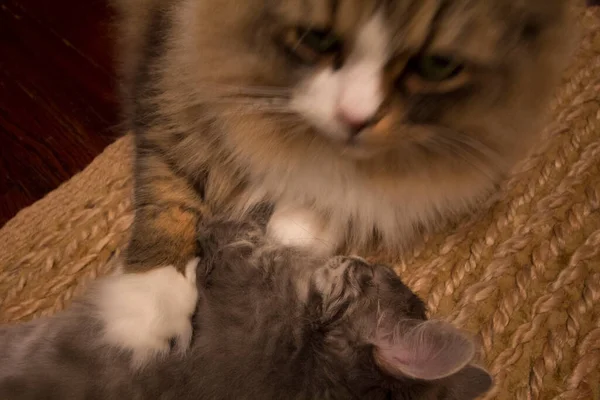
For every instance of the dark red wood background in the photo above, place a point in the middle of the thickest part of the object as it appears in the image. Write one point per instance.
(58, 107)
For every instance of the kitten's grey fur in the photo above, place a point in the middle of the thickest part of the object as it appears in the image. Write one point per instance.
(270, 324)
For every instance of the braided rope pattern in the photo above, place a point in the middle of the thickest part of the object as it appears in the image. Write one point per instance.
(523, 277)
(62, 257)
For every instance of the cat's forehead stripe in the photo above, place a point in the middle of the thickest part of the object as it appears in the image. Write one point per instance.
(461, 30)
(372, 41)
(410, 25)
(314, 13)
(342, 15)
(361, 93)
(474, 33)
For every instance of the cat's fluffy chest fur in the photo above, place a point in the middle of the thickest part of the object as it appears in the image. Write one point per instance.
(325, 205)
(424, 154)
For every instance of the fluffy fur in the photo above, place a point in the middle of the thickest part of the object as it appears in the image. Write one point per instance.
(269, 324)
(358, 122)
(225, 119)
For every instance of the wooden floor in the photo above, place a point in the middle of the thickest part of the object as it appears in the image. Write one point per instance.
(58, 106)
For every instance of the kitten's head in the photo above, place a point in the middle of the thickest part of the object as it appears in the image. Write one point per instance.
(373, 328)
(335, 329)
(460, 80)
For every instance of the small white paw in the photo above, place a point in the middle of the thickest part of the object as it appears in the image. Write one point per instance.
(144, 312)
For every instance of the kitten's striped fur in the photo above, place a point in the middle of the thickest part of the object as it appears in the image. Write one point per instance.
(271, 324)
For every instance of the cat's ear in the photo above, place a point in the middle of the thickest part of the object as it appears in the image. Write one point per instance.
(426, 350)
(467, 384)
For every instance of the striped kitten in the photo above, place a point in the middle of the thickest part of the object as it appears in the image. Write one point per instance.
(358, 122)
(272, 324)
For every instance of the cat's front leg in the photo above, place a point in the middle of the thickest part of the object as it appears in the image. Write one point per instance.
(149, 307)
(303, 228)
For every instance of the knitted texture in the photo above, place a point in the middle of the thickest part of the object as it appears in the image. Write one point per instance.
(523, 277)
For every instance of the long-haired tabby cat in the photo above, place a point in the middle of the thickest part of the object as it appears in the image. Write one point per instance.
(270, 324)
(356, 121)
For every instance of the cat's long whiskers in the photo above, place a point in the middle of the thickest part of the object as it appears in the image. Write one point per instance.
(256, 103)
(249, 90)
(473, 152)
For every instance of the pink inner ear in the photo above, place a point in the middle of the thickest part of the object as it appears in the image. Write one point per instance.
(425, 350)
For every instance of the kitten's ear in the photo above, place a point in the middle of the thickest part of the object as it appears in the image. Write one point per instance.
(426, 350)
(467, 384)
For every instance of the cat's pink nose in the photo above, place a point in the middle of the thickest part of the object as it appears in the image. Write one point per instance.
(354, 122)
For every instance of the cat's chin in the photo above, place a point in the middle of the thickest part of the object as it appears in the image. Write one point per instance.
(357, 148)
(359, 152)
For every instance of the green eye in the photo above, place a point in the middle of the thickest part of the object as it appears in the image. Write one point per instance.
(322, 41)
(437, 68)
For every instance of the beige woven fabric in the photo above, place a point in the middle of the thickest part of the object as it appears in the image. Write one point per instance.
(524, 277)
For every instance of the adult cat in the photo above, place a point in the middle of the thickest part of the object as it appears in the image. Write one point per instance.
(356, 121)
(270, 324)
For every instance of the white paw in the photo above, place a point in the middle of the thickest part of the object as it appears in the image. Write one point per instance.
(302, 228)
(144, 312)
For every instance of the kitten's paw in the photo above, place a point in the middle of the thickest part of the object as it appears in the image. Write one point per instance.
(145, 312)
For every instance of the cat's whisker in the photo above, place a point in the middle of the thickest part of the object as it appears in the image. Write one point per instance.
(281, 113)
(257, 103)
(473, 152)
(380, 314)
(278, 112)
(250, 90)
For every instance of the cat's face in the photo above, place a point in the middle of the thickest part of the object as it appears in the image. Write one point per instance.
(439, 78)
(373, 332)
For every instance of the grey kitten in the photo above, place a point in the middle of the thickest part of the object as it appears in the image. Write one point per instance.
(270, 323)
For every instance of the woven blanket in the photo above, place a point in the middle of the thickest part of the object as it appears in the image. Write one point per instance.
(524, 277)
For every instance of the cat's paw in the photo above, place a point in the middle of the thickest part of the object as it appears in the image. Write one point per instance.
(146, 312)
